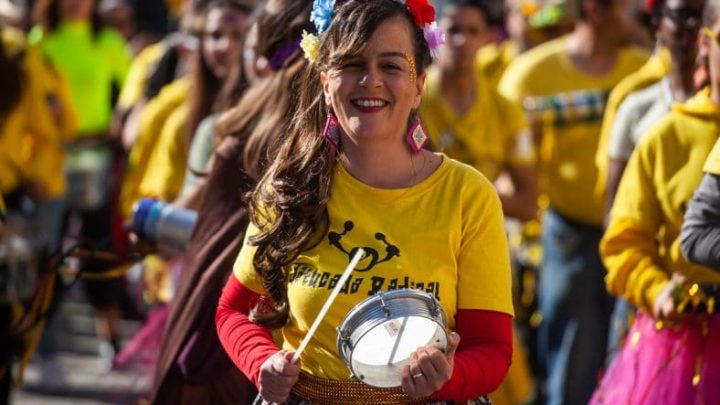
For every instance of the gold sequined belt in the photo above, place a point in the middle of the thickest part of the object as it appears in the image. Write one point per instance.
(323, 391)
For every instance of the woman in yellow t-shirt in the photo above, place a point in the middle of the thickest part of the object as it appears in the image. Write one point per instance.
(425, 222)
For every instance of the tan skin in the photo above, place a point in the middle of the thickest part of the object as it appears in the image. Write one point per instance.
(375, 152)
(680, 38)
(665, 305)
(467, 31)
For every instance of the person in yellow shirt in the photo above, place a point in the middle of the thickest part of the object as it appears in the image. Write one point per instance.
(468, 120)
(429, 223)
(23, 111)
(671, 355)
(563, 85)
(220, 40)
(151, 122)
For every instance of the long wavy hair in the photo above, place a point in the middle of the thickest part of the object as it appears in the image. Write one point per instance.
(264, 111)
(206, 91)
(289, 204)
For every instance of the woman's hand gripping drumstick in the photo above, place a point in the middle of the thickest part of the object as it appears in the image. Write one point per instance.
(280, 372)
(429, 369)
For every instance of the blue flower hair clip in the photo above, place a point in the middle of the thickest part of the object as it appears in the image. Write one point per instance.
(423, 13)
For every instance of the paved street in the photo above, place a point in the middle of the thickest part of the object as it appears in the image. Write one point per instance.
(85, 382)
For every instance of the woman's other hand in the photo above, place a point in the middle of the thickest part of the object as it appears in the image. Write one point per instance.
(665, 305)
(277, 377)
(429, 369)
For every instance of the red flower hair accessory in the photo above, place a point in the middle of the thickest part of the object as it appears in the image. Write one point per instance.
(423, 12)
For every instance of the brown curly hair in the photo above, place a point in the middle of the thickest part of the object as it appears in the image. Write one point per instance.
(289, 203)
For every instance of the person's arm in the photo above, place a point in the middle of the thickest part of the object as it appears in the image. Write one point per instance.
(483, 357)
(700, 237)
(628, 248)
(484, 315)
(522, 203)
(248, 344)
(614, 174)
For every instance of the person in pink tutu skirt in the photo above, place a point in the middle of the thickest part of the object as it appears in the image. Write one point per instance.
(672, 353)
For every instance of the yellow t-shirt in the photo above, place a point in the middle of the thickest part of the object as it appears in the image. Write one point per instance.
(651, 72)
(493, 59)
(31, 115)
(152, 120)
(641, 246)
(572, 104)
(444, 235)
(165, 172)
(490, 136)
(139, 74)
(46, 157)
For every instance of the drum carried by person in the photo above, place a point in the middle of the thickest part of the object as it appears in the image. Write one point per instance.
(352, 175)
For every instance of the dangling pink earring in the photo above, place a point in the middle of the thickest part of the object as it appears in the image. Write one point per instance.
(416, 137)
(331, 133)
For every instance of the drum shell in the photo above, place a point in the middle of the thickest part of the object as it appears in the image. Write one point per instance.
(163, 223)
(377, 310)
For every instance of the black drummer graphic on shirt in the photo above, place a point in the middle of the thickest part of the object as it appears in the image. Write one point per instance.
(377, 251)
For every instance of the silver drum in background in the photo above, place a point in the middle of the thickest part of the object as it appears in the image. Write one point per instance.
(19, 261)
(377, 337)
(87, 170)
(163, 223)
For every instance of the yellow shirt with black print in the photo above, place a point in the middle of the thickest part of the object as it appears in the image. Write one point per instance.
(641, 247)
(444, 236)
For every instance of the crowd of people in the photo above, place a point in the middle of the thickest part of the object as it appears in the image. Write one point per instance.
(547, 170)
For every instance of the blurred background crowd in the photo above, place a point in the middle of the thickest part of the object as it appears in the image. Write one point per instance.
(104, 103)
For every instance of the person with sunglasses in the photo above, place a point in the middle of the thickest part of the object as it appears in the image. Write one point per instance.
(677, 24)
(672, 354)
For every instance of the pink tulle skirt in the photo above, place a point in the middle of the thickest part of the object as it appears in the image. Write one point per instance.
(674, 365)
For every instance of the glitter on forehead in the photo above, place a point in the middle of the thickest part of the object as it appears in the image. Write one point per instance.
(413, 69)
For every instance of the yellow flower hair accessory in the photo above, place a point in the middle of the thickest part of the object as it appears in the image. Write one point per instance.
(310, 45)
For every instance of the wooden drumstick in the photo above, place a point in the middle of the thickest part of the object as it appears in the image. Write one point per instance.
(346, 274)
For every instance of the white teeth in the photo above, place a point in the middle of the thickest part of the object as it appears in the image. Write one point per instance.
(370, 103)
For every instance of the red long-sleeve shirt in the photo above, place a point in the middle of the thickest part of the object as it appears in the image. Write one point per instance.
(480, 363)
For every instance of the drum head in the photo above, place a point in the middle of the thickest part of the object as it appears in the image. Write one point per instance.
(381, 353)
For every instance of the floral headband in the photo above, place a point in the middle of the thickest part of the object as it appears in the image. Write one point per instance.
(422, 11)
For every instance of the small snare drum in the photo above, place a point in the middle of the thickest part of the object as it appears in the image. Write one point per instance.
(377, 337)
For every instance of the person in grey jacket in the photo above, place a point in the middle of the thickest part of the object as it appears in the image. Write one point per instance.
(700, 237)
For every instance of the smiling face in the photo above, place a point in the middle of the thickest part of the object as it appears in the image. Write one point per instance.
(373, 93)
(222, 39)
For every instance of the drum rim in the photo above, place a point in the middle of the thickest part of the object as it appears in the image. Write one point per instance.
(343, 343)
